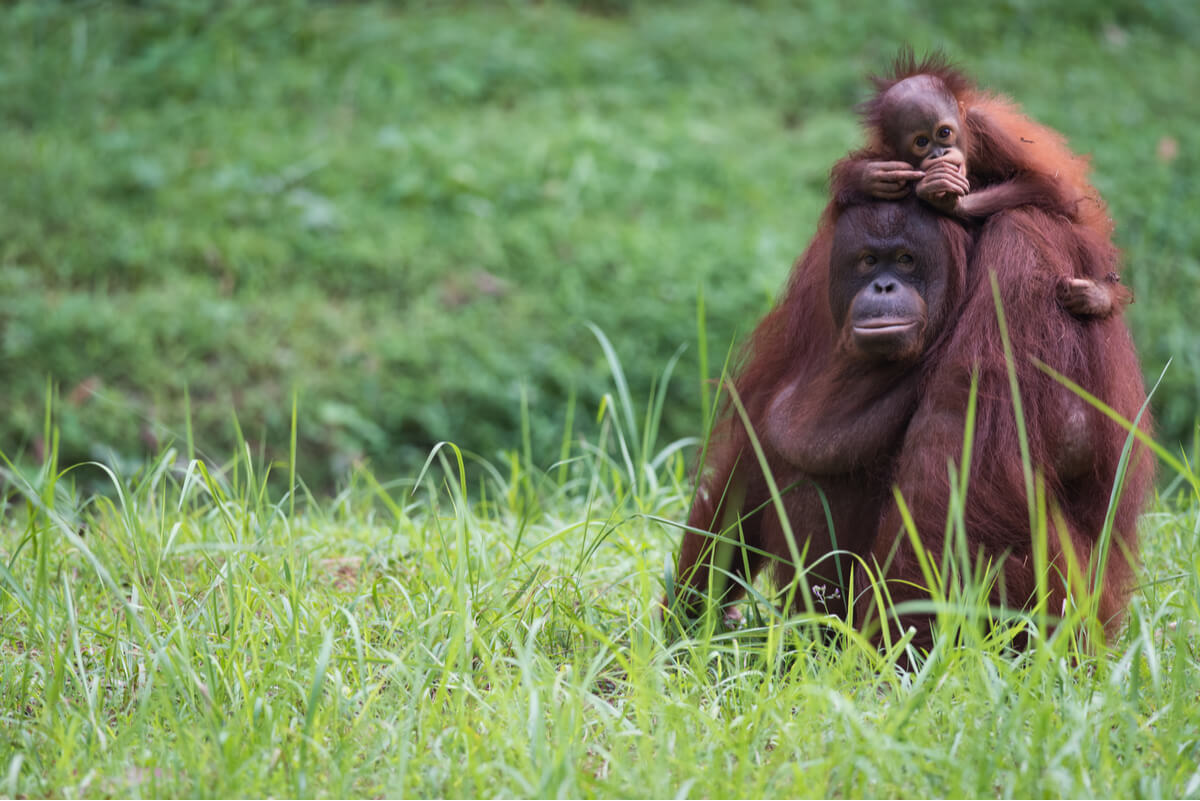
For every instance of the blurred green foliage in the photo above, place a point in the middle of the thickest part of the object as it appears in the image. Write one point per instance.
(405, 213)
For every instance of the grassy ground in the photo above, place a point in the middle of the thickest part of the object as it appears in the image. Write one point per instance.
(191, 634)
(408, 212)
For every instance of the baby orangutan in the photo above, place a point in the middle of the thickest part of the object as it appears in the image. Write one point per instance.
(972, 156)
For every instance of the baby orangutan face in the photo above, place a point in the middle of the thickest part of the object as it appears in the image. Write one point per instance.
(923, 125)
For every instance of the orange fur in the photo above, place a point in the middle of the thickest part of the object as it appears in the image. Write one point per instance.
(1057, 229)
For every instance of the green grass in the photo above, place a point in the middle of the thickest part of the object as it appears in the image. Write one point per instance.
(492, 631)
(408, 212)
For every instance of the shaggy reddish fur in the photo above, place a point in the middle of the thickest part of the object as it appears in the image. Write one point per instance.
(855, 415)
(1097, 354)
(1056, 227)
(1003, 147)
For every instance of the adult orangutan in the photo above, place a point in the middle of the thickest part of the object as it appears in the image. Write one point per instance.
(831, 418)
(1042, 230)
(1044, 233)
(883, 403)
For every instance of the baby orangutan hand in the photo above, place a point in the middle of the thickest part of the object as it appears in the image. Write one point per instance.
(944, 183)
(888, 180)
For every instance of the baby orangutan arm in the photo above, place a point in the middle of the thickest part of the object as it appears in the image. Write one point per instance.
(945, 188)
(857, 180)
(888, 180)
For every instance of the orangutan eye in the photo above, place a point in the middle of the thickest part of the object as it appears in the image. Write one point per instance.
(867, 263)
(922, 141)
(905, 260)
(944, 132)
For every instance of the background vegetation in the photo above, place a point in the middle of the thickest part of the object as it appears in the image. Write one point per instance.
(406, 212)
